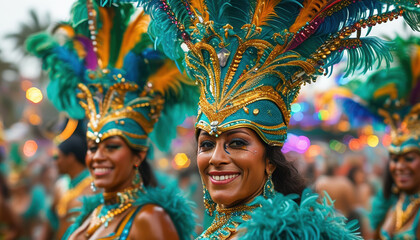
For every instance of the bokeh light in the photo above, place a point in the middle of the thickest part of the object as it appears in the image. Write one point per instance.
(181, 160)
(34, 95)
(34, 119)
(372, 140)
(298, 116)
(313, 151)
(296, 107)
(323, 115)
(343, 126)
(386, 140)
(29, 148)
(355, 145)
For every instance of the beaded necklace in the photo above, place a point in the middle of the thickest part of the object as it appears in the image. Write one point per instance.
(227, 220)
(402, 216)
(112, 205)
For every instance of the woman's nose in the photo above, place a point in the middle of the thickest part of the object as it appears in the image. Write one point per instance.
(220, 155)
(98, 154)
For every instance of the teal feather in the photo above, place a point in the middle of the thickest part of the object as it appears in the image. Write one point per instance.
(217, 11)
(282, 218)
(178, 106)
(61, 64)
(412, 18)
(373, 51)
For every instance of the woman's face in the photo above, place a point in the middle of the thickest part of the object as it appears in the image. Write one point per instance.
(405, 170)
(111, 163)
(233, 166)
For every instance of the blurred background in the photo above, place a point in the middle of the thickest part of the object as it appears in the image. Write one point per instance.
(321, 140)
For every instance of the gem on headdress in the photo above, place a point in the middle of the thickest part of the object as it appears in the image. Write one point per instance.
(256, 111)
(97, 140)
(223, 56)
(246, 110)
(185, 47)
(214, 128)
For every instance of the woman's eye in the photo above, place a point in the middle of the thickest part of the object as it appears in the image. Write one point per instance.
(206, 145)
(238, 143)
(113, 147)
(92, 149)
(409, 159)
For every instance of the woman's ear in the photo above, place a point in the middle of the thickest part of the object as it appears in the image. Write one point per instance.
(140, 157)
(269, 167)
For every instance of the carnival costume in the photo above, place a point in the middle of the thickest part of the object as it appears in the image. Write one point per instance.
(124, 88)
(251, 58)
(392, 97)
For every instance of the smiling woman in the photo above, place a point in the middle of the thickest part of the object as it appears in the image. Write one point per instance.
(250, 59)
(127, 91)
(391, 97)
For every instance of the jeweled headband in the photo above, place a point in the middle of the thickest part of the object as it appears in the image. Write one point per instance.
(103, 67)
(251, 57)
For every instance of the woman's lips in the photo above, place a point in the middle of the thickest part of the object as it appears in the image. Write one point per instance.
(101, 171)
(220, 178)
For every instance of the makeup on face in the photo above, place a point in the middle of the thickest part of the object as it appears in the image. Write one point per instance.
(405, 171)
(232, 165)
(111, 162)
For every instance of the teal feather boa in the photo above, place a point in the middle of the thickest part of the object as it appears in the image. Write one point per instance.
(282, 218)
(168, 197)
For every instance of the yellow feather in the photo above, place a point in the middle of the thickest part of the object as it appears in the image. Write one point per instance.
(67, 29)
(80, 49)
(167, 78)
(132, 36)
(200, 9)
(310, 9)
(103, 37)
(264, 11)
(389, 89)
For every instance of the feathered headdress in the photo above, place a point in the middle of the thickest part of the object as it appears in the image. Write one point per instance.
(392, 97)
(251, 57)
(103, 67)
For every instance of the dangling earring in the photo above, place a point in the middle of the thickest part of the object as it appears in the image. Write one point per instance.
(395, 189)
(209, 205)
(93, 187)
(268, 191)
(137, 180)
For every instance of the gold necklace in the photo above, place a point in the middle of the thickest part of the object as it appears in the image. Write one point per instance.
(402, 216)
(224, 216)
(125, 200)
(97, 221)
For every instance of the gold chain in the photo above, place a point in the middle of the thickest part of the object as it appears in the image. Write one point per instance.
(401, 216)
(224, 215)
(97, 221)
(125, 200)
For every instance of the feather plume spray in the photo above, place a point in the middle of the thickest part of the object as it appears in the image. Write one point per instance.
(104, 36)
(179, 95)
(132, 36)
(200, 9)
(264, 11)
(65, 69)
(282, 218)
(310, 9)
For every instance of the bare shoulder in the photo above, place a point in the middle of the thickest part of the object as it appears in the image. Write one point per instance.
(153, 222)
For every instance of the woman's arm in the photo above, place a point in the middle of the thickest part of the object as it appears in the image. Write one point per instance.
(152, 222)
